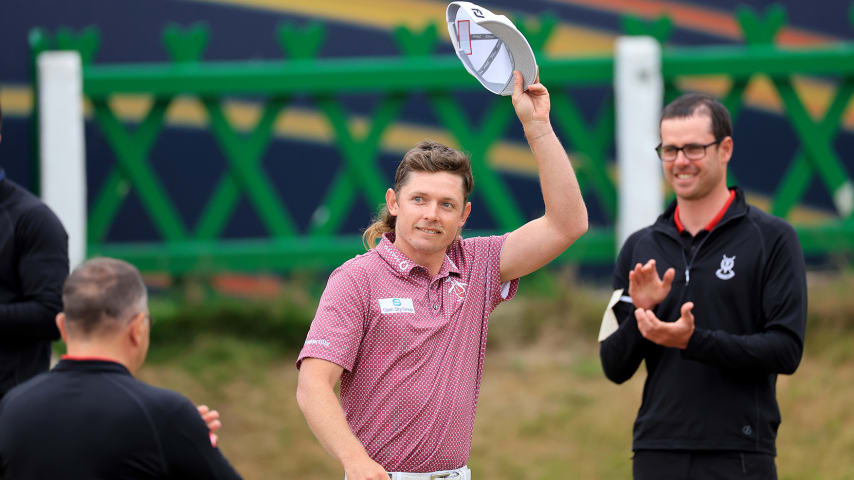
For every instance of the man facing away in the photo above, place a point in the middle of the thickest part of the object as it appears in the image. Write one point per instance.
(403, 327)
(33, 265)
(88, 417)
(716, 307)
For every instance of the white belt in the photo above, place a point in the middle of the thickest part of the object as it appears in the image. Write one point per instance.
(462, 473)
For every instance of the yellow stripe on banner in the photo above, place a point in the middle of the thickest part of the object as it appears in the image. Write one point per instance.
(308, 125)
(416, 14)
(816, 95)
(566, 40)
(16, 100)
(760, 93)
(295, 123)
(374, 13)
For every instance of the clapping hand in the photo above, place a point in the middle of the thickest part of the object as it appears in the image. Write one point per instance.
(667, 334)
(646, 288)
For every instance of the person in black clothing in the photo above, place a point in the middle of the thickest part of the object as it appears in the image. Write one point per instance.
(716, 307)
(88, 417)
(33, 265)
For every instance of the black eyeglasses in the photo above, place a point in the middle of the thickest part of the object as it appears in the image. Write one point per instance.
(692, 151)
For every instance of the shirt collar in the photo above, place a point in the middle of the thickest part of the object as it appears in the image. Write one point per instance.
(90, 364)
(712, 224)
(88, 358)
(403, 265)
(448, 265)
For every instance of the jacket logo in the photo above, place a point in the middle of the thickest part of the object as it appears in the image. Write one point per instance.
(727, 264)
(458, 289)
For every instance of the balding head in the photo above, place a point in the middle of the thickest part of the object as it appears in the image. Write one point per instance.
(102, 295)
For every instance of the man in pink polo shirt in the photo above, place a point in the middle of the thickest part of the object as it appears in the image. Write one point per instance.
(403, 326)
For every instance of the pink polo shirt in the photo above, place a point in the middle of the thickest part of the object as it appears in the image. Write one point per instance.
(412, 348)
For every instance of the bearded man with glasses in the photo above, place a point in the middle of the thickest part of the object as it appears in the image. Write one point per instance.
(713, 300)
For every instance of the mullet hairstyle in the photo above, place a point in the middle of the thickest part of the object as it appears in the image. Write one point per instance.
(427, 156)
(102, 294)
(691, 104)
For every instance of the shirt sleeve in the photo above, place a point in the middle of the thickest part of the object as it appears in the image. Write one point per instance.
(489, 250)
(338, 326)
(42, 267)
(187, 447)
(623, 351)
(779, 347)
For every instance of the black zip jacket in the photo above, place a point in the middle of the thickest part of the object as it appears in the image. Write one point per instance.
(748, 284)
(33, 267)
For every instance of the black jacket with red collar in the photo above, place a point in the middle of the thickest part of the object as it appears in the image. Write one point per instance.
(748, 284)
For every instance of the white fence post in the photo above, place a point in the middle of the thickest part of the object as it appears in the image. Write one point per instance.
(61, 144)
(638, 90)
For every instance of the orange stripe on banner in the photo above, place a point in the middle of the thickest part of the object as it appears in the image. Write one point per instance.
(708, 20)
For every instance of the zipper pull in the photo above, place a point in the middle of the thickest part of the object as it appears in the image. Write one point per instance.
(687, 276)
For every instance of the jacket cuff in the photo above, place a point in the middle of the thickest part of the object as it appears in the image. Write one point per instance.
(698, 341)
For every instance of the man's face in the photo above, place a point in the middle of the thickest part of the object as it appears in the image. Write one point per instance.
(694, 179)
(430, 211)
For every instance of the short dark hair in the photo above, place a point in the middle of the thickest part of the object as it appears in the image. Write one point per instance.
(691, 104)
(101, 293)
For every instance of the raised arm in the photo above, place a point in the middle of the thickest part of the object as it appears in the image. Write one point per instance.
(324, 415)
(540, 241)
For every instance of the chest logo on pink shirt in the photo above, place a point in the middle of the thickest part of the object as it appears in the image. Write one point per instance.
(458, 288)
(396, 305)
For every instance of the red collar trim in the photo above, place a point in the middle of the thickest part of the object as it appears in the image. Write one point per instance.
(711, 225)
(88, 358)
(679, 227)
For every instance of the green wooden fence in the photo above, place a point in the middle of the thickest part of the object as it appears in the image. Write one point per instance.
(394, 79)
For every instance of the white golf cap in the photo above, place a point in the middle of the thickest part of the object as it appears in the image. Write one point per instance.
(490, 47)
